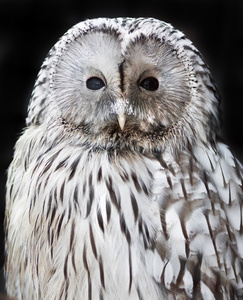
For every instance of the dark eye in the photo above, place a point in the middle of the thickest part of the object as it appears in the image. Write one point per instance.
(150, 84)
(94, 83)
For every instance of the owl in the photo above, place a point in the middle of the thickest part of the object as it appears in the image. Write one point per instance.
(120, 186)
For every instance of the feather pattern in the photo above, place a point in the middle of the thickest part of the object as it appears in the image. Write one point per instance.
(152, 211)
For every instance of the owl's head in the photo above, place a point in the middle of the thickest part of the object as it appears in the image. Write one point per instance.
(126, 83)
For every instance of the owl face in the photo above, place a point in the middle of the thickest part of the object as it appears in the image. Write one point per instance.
(121, 85)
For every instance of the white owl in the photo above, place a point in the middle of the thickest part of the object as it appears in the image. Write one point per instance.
(120, 187)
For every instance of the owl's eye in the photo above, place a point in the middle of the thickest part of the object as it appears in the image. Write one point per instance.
(150, 84)
(95, 83)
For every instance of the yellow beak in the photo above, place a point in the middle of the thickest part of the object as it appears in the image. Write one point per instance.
(122, 120)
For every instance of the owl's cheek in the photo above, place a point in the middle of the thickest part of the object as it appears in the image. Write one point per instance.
(164, 120)
(153, 120)
(169, 113)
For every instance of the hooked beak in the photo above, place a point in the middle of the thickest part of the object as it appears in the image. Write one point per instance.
(120, 109)
(121, 120)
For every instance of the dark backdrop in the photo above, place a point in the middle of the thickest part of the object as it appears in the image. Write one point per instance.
(28, 29)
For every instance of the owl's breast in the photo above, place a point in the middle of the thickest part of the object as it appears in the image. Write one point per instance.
(93, 219)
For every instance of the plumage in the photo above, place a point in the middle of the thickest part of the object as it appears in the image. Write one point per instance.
(120, 187)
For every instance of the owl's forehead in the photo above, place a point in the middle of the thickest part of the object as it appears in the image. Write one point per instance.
(120, 35)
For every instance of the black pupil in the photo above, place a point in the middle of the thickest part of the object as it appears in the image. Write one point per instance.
(150, 84)
(94, 83)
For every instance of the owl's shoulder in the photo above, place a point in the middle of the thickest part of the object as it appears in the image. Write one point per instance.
(223, 169)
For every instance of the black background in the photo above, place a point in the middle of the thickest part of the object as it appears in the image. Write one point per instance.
(28, 29)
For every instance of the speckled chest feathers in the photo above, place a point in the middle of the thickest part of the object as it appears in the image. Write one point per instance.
(120, 187)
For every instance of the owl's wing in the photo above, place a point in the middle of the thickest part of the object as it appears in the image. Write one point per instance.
(201, 242)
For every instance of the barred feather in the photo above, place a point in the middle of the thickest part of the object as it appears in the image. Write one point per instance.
(149, 211)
